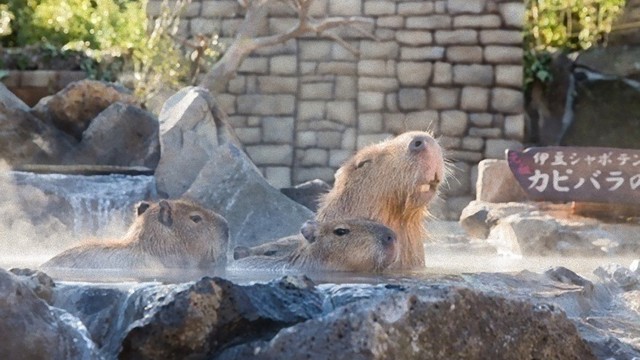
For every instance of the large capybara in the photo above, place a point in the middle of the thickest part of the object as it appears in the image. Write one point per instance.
(391, 182)
(342, 245)
(167, 234)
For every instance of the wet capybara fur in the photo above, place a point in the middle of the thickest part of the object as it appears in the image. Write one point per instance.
(343, 245)
(391, 182)
(166, 234)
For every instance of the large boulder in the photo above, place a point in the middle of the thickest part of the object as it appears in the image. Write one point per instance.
(308, 193)
(201, 158)
(497, 184)
(121, 135)
(25, 139)
(74, 107)
(213, 313)
(428, 323)
(31, 329)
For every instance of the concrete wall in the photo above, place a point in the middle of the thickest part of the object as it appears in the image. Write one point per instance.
(453, 67)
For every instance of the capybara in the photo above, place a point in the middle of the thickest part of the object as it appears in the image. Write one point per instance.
(390, 182)
(275, 248)
(166, 234)
(342, 245)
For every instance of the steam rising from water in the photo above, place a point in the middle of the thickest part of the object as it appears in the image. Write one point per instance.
(42, 214)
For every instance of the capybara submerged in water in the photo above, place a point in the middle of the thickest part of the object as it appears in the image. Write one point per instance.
(341, 245)
(391, 182)
(166, 234)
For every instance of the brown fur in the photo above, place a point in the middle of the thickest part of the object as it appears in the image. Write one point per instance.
(342, 245)
(275, 248)
(383, 182)
(167, 234)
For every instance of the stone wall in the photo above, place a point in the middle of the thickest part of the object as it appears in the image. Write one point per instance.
(453, 67)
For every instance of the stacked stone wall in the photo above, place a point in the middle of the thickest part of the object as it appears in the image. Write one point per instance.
(453, 67)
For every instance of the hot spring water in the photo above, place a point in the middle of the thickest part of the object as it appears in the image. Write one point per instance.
(42, 214)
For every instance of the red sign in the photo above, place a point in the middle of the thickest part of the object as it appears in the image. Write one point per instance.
(591, 174)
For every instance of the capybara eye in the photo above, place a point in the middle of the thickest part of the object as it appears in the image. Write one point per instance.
(362, 163)
(195, 218)
(269, 252)
(341, 231)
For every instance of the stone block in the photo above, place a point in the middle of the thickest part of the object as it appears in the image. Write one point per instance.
(465, 6)
(393, 22)
(203, 26)
(414, 38)
(462, 155)
(453, 123)
(476, 21)
(449, 142)
(337, 68)
(443, 98)
(270, 154)
(382, 7)
(414, 73)
(391, 102)
(277, 85)
(279, 25)
(372, 67)
(430, 22)
(340, 53)
(307, 174)
(345, 87)
(422, 53)
(277, 130)
(254, 65)
(501, 37)
(416, 8)
(219, 8)
(513, 14)
(315, 50)
(475, 74)
(305, 139)
(314, 91)
(503, 54)
(377, 84)
(378, 49)
(345, 7)
(370, 123)
(248, 135)
(237, 85)
(442, 73)
(329, 139)
(311, 110)
(472, 143)
(461, 183)
(385, 34)
(313, 157)
(514, 127)
(337, 157)
(349, 139)
(285, 64)
(266, 104)
(495, 148)
(342, 111)
(487, 133)
(456, 37)
(370, 101)
(509, 75)
(278, 176)
(474, 98)
(464, 54)
(507, 100)
(496, 183)
(481, 119)
(422, 121)
(227, 103)
(412, 99)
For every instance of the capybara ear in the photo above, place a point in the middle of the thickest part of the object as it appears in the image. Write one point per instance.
(164, 216)
(308, 230)
(240, 252)
(142, 207)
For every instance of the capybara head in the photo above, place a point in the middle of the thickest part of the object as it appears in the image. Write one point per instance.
(351, 245)
(391, 182)
(180, 233)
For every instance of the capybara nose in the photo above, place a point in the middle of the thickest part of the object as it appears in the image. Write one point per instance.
(418, 143)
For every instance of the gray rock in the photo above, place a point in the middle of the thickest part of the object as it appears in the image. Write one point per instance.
(202, 159)
(428, 323)
(40, 283)
(308, 193)
(74, 107)
(214, 313)
(121, 135)
(497, 184)
(32, 330)
(618, 275)
(619, 61)
(10, 100)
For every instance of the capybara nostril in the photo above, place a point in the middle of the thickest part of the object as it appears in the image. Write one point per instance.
(418, 144)
(388, 237)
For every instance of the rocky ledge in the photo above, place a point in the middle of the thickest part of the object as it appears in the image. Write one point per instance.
(553, 315)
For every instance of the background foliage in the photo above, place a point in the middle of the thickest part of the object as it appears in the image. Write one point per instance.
(564, 25)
